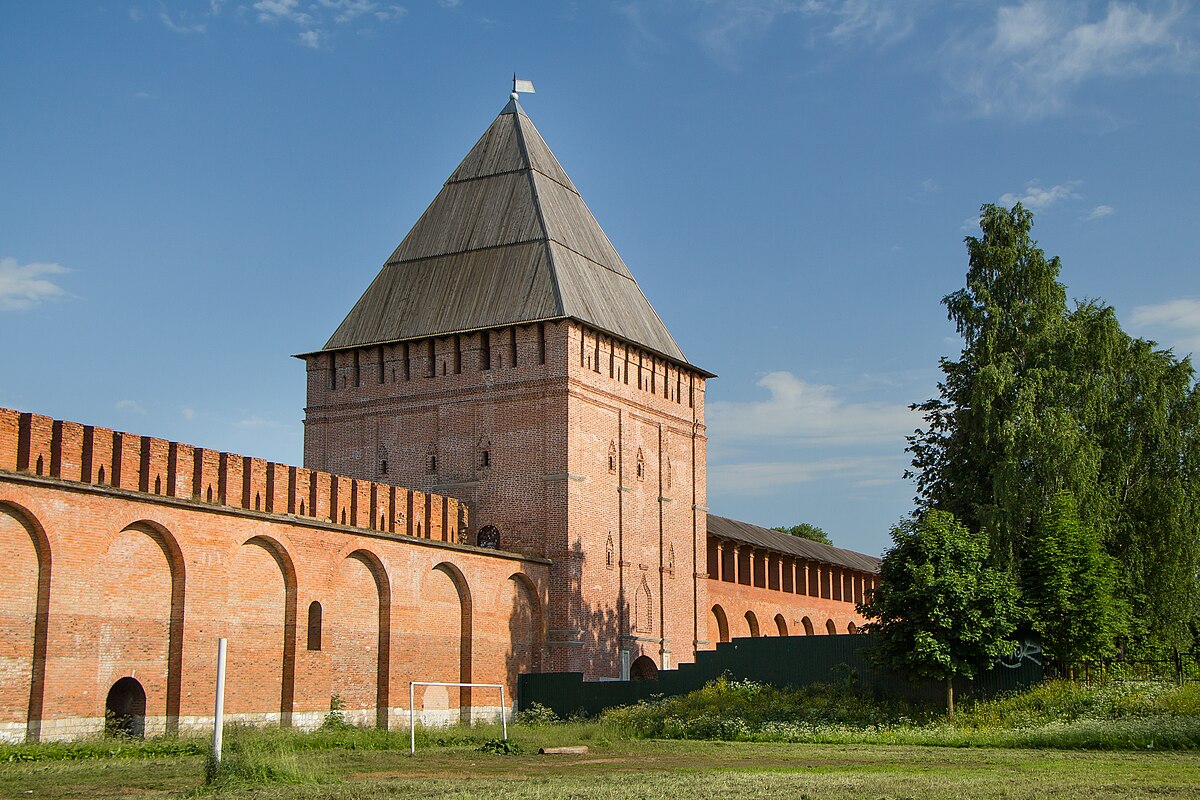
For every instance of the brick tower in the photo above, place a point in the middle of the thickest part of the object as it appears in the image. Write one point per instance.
(505, 355)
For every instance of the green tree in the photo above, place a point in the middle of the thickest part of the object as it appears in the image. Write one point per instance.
(1072, 606)
(940, 611)
(806, 531)
(1041, 400)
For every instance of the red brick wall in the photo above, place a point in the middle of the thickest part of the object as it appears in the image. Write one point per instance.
(545, 425)
(104, 582)
(735, 600)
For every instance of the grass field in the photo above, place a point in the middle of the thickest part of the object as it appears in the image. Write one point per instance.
(644, 769)
(730, 739)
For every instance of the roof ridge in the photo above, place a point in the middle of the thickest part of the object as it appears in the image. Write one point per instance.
(538, 211)
(507, 240)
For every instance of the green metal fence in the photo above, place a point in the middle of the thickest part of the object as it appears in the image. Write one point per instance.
(792, 661)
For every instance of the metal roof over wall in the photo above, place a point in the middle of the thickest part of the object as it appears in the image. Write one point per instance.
(767, 539)
(508, 240)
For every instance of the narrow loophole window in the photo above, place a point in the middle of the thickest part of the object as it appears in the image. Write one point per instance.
(314, 626)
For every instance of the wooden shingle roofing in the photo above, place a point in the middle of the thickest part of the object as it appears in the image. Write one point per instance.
(508, 240)
(767, 539)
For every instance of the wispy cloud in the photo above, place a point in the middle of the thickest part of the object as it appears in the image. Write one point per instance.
(276, 10)
(25, 286)
(1038, 198)
(1035, 55)
(317, 18)
(810, 413)
(726, 27)
(255, 421)
(129, 407)
(882, 22)
(768, 477)
(179, 26)
(188, 413)
(1177, 321)
(1099, 212)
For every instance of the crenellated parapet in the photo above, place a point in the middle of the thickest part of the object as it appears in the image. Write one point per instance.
(69, 451)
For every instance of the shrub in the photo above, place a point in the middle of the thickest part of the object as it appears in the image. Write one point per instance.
(536, 714)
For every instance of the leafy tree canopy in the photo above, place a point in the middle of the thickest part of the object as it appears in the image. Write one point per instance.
(807, 531)
(940, 611)
(1072, 605)
(1043, 399)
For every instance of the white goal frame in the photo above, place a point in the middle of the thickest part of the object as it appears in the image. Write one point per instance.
(412, 728)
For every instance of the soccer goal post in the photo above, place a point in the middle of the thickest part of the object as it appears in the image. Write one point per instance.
(412, 727)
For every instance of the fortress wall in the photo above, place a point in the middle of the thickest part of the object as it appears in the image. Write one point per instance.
(736, 600)
(39, 445)
(106, 583)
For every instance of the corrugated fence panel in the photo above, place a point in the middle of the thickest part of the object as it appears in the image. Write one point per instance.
(794, 661)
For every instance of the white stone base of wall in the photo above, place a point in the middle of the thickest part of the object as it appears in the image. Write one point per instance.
(72, 728)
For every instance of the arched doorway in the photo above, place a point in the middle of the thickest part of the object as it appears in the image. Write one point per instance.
(643, 668)
(830, 627)
(722, 624)
(125, 709)
(752, 623)
(852, 628)
(808, 626)
(781, 625)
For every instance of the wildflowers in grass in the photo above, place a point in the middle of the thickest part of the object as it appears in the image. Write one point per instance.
(1056, 714)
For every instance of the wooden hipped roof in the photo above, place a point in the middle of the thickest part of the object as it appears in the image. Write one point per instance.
(507, 240)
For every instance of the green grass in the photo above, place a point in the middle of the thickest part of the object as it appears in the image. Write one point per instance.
(1119, 740)
(682, 770)
(1056, 714)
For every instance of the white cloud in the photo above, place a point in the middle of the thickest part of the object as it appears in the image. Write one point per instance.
(348, 10)
(1036, 54)
(1035, 198)
(317, 18)
(179, 27)
(188, 413)
(255, 421)
(1177, 320)
(809, 413)
(1099, 212)
(768, 477)
(26, 286)
(276, 10)
(449, 3)
(877, 21)
(726, 26)
(129, 406)
(136, 15)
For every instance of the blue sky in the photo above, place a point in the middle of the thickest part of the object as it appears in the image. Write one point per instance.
(192, 191)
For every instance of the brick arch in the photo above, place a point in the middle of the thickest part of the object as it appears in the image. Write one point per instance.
(722, 623)
(531, 630)
(830, 627)
(287, 570)
(808, 626)
(383, 588)
(34, 698)
(752, 624)
(781, 625)
(466, 641)
(169, 545)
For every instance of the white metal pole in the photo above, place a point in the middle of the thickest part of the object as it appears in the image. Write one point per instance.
(503, 714)
(412, 729)
(219, 710)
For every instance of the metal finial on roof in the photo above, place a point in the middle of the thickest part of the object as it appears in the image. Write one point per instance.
(520, 86)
